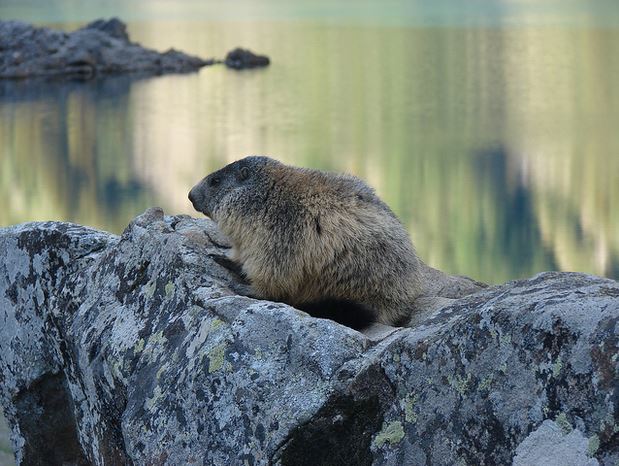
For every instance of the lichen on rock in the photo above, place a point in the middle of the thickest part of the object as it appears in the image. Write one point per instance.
(137, 350)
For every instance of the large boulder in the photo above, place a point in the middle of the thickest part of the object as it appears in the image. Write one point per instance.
(136, 350)
(100, 48)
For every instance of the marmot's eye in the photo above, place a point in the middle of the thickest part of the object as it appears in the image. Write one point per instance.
(214, 181)
(243, 173)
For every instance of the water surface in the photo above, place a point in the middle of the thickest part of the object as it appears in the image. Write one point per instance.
(489, 127)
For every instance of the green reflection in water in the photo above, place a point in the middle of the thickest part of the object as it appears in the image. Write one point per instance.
(496, 146)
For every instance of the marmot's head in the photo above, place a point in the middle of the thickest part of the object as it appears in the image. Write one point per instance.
(232, 184)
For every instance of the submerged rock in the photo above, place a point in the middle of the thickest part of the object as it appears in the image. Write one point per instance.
(100, 48)
(240, 59)
(136, 350)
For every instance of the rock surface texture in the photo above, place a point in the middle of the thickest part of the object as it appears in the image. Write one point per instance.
(135, 350)
(100, 48)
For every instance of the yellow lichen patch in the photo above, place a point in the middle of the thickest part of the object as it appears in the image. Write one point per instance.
(216, 323)
(594, 444)
(139, 346)
(563, 423)
(149, 289)
(486, 382)
(409, 408)
(157, 338)
(460, 384)
(216, 358)
(391, 433)
(150, 402)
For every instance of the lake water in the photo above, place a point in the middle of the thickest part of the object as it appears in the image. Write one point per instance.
(490, 127)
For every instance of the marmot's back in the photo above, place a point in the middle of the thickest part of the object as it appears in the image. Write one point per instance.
(311, 238)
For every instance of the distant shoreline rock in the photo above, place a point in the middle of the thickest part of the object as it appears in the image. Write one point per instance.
(240, 59)
(101, 48)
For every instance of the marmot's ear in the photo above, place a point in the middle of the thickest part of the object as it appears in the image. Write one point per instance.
(243, 173)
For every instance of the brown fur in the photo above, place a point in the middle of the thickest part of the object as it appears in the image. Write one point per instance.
(304, 235)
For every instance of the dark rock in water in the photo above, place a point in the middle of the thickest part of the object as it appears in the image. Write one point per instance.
(136, 350)
(113, 27)
(100, 48)
(240, 59)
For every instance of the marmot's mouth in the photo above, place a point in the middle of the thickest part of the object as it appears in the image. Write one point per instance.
(205, 212)
(196, 203)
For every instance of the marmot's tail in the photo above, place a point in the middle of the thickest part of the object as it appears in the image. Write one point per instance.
(349, 313)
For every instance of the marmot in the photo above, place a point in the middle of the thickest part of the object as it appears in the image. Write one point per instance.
(322, 242)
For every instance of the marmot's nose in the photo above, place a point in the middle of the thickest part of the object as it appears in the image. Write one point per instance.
(192, 197)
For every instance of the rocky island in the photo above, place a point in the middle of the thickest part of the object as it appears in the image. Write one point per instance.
(101, 48)
(136, 350)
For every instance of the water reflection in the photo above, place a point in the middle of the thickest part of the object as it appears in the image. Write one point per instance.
(66, 152)
(496, 147)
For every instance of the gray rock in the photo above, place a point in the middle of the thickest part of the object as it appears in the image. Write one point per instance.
(100, 48)
(136, 350)
(240, 59)
(551, 445)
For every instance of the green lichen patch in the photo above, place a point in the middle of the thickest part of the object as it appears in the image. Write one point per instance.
(563, 423)
(149, 289)
(594, 444)
(169, 289)
(216, 323)
(409, 408)
(161, 370)
(195, 311)
(486, 382)
(150, 402)
(117, 369)
(460, 384)
(157, 338)
(391, 433)
(556, 368)
(139, 346)
(505, 339)
(216, 358)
